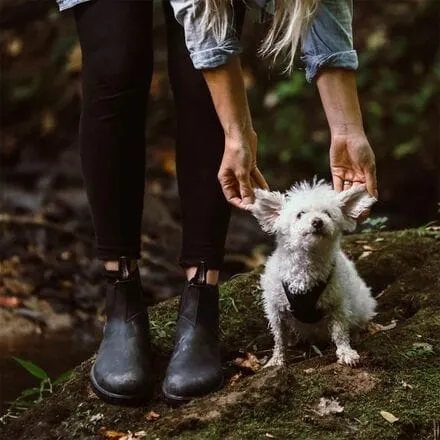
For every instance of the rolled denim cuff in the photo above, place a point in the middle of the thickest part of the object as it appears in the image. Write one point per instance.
(346, 60)
(66, 4)
(215, 56)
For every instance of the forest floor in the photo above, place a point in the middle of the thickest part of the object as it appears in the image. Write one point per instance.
(398, 376)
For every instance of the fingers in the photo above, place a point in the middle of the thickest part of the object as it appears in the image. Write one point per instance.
(246, 191)
(371, 182)
(237, 191)
(259, 179)
(338, 184)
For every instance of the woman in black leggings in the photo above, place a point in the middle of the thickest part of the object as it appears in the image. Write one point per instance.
(117, 49)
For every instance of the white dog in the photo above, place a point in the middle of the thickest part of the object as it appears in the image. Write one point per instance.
(309, 285)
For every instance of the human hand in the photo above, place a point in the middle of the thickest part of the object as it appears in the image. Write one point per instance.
(352, 162)
(238, 173)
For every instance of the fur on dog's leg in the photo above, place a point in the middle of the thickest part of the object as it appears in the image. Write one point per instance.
(280, 335)
(341, 337)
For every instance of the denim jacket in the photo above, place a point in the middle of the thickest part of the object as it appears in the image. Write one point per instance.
(327, 43)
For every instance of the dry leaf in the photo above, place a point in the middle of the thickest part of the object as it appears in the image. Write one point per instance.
(369, 248)
(391, 418)
(361, 242)
(235, 378)
(309, 370)
(406, 385)
(268, 435)
(329, 406)
(374, 327)
(97, 417)
(317, 350)
(152, 415)
(117, 435)
(423, 345)
(365, 254)
(248, 362)
(9, 302)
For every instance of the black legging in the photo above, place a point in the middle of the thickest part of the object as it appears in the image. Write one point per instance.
(117, 48)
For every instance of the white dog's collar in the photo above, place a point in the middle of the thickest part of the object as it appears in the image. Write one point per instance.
(303, 305)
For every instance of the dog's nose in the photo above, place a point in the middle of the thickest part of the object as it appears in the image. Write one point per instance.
(317, 223)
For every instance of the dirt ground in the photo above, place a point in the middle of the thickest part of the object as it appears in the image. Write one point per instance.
(399, 371)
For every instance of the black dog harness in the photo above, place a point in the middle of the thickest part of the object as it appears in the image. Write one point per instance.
(303, 305)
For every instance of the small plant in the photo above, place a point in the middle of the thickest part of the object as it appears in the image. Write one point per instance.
(374, 224)
(32, 396)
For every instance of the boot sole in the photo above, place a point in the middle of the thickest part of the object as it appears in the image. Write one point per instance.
(119, 399)
(176, 400)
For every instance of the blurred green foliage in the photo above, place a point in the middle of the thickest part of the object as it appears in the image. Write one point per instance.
(398, 80)
(399, 87)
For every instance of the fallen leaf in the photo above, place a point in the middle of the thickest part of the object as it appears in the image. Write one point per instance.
(151, 416)
(90, 393)
(235, 378)
(329, 406)
(374, 327)
(97, 417)
(423, 345)
(406, 385)
(268, 435)
(361, 242)
(309, 370)
(9, 302)
(365, 254)
(317, 350)
(369, 248)
(391, 418)
(111, 434)
(248, 362)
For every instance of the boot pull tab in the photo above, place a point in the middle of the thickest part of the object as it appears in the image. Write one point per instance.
(124, 267)
(201, 274)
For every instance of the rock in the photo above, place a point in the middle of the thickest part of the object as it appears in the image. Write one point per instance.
(404, 270)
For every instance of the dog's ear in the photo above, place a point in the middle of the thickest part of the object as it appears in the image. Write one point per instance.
(266, 208)
(353, 203)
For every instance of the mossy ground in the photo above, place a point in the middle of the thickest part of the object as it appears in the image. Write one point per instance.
(403, 269)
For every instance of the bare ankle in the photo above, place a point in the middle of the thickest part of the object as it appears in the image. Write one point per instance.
(211, 275)
(113, 265)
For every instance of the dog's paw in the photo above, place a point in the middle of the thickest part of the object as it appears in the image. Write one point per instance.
(347, 356)
(275, 361)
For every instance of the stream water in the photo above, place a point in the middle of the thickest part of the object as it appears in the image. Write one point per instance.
(54, 353)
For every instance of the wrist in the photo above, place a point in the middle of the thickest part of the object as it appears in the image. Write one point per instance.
(346, 129)
(239, 134)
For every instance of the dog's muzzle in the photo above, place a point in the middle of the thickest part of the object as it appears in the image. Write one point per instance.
(318, 225)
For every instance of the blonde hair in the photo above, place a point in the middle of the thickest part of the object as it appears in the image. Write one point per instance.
(290, 21)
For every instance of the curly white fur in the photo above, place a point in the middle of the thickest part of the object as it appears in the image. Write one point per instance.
(304, 256)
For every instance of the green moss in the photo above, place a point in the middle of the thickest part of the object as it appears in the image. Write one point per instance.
(403, 271)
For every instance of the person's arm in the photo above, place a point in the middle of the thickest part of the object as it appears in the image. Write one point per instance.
(351, 156)
(239, 164)
(220, 65)
(331, 61)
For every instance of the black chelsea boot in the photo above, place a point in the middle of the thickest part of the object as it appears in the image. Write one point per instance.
(195, 365)
(121, 373)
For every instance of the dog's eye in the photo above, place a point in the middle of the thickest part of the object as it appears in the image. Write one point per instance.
(327, 213)
(299, 215)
